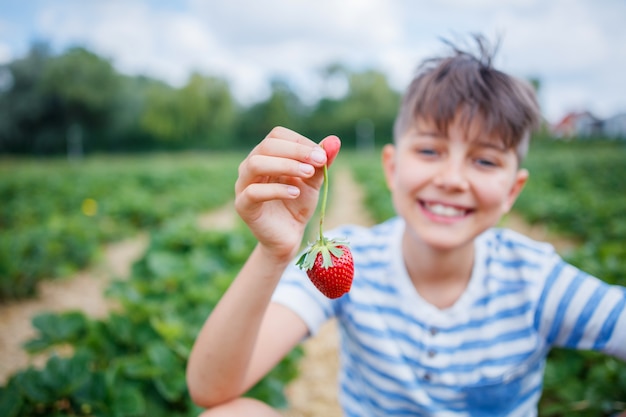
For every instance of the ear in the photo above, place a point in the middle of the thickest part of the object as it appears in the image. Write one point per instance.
(389, 164)
(518, 184)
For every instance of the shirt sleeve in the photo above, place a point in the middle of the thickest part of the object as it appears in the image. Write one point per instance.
(297, 292)
(579, 311)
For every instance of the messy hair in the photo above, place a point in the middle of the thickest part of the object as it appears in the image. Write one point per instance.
(466, 85)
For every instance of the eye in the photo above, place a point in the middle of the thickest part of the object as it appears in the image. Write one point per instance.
(427, 151)
(487, 163)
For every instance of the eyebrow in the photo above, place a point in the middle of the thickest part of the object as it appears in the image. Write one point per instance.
(433, 133)
(499, 146)
(492, 144)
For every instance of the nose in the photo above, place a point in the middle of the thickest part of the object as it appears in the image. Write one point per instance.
(452, 175)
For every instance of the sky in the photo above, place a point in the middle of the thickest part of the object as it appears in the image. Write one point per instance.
(576, 48)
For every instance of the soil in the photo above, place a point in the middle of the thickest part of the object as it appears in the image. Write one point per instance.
(83, 291)
(313, 393)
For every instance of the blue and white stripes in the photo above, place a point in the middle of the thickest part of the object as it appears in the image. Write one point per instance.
(485, 355)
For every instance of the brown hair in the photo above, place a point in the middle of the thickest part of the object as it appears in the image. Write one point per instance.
(467, 86)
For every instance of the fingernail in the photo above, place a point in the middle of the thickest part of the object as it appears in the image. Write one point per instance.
(318, 155)
(293, 190)
(306, 169)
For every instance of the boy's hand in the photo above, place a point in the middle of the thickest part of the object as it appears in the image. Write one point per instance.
(278, 188)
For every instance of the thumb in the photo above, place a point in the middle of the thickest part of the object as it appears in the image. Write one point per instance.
(331, 145)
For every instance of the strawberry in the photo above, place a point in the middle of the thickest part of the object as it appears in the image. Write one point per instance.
(329, 266)
(328, 262)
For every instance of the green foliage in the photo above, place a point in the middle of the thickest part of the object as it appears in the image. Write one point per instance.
(368, 171)
(24, 111)
(69, 81)
(577, 189)
(282, 108)
(202, 112)
(369, 98)
(132, 363)
(586, 384)
(56, 214)
(77, 102)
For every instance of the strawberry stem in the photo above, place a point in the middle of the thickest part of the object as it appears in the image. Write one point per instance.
(324, 198)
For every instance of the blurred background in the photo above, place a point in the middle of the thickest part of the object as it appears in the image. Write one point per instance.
(122, 123)
(128, 76)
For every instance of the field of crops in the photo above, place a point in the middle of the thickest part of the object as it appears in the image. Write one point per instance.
(56, 216)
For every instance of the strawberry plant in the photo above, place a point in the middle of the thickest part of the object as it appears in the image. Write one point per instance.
(55, 215)
(368, 172)
(132, 363)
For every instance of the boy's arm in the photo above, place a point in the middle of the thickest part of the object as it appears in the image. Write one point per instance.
(580, 311)
(244, 337)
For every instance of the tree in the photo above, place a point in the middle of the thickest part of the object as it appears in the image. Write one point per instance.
(23, 108)
(84, 87)
(202, 113)
(283, 107)
(369, 104)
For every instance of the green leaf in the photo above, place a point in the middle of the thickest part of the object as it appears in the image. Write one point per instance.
(327, 260)
(162, 357)
(31, 385)
(337, 252)
(169, 330)
(121, 328)
(92, 394)
(64, 375)
(171, 386)
(128, 402)
(138, 367)
(164, 264)
(10, 401)
(57, 328)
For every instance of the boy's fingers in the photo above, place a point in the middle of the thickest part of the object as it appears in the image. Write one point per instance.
(331, 145)
(284, 143)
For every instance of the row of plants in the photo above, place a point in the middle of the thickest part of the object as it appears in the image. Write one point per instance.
(576, 189)
(56, 214)
(132, 363)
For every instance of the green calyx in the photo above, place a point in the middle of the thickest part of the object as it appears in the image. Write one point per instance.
(322, 246)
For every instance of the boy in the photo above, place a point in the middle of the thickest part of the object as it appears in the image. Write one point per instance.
(447, 315)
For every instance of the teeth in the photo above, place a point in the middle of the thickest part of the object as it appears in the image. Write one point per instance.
(446, 211)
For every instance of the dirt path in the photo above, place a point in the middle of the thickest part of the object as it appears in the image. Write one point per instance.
(84, 292)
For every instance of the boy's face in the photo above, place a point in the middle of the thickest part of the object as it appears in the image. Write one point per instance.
(449, 188)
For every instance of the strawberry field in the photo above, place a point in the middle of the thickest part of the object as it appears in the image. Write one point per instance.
(56, 216)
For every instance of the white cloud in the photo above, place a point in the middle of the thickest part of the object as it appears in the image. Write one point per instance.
(139, 39)
(5, 53)
(576, 47)
(296, 38)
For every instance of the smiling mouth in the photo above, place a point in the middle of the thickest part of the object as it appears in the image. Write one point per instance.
(442, 210)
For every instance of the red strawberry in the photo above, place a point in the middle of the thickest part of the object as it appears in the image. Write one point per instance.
(328, 263)
(329, 266)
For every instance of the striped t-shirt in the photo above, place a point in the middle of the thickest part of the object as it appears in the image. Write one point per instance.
(483, 356)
